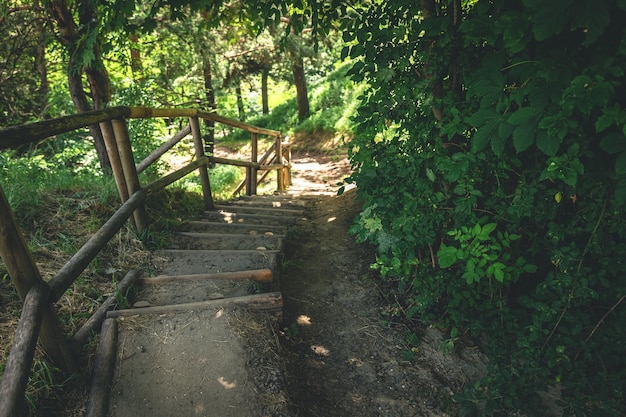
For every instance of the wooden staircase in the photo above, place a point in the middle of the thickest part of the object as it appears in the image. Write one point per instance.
(220, 263)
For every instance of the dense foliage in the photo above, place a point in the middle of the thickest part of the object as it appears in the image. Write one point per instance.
(491, 158)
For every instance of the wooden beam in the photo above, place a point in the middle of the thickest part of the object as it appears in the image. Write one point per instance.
(95, 321)
(160, 151)
(17, 368)
(271, 301)
(120, 129)
(259, 275)
(14, 136)
(103, 370)
(77, 263)
(202, 170)
(175, 176)
(24, 274)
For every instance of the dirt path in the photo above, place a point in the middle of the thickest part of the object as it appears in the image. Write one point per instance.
(331, 354)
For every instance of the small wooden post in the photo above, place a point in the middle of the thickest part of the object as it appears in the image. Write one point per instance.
(24, 274)
(202, 171)
(114, 157)
(254, 159)
(287, 169)
(279, 159)
(120, 129)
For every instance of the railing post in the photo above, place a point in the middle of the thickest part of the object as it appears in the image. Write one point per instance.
(114, 157)
(287, 169)
(24, 275)
(127, 160)
(254, 157)
(279, 160)
(202, 171)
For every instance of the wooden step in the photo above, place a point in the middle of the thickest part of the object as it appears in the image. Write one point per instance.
(233, 217)
(217, 261)
(258, 275)
(252, 209)
(213, 241)
(205, 226)
(268, 302)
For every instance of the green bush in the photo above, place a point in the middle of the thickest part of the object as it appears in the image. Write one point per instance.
(491, 158)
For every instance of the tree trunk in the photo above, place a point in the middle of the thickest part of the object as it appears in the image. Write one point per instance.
(97, 76)
(42, 69)
(429, 8)
(240, 105)
(299, 81)
(209, 136)
(264, 94)
(136, 63)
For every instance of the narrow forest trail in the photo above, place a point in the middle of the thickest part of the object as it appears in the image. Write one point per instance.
(310, 343)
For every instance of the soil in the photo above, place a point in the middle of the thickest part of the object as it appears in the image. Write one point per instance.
(331, 353)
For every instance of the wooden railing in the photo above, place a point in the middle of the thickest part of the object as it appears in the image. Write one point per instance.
(38, 318)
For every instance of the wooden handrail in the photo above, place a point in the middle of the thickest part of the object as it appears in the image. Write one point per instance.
(38, 316)
(15, 377)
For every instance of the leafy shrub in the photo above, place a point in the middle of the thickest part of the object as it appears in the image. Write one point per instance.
(491, 159)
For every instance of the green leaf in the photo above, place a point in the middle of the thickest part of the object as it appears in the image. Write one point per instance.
(547, 144)
(613, 143)
(620, 164)
(523, 137)
(447, 256)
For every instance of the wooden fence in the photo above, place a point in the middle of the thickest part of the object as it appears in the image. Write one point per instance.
(39, 319)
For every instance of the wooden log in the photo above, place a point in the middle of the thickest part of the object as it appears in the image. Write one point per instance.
(75, 266)
(24, 274)
(17, 367)
(271, 301)
(279, 158)
(259, 275)
(95, 321)
(160, 151)
(202, 170)
(122, 139)
(103, 370)
(254, 159)
(234, 162)
(175, 176)
(144, 112)
(114, 157)
(14, 136)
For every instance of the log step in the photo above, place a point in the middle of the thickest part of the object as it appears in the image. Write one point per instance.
(258, 275)
(236, 208)
(238, 228)
(232, 217)
(191, 240)
(272, 301)
(217, 261)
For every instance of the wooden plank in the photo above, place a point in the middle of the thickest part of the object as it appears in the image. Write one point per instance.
(259, 275)
(272, 301)
(17, 368)
(95, 321)
(103, 370)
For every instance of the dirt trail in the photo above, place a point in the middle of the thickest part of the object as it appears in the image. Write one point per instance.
(331, 354)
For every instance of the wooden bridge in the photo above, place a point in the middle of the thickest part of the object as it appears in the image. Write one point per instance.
(227, 257)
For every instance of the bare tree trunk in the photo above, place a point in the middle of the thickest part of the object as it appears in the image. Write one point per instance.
(42, 69)
(136, 63)
(264, 94)
(209, 136)
(240, 105)
(429, 8)
(299, 81)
